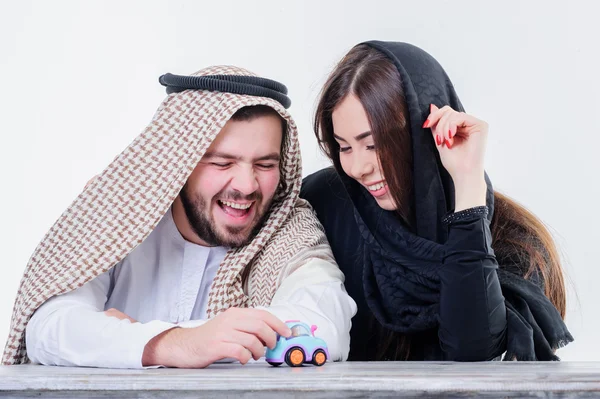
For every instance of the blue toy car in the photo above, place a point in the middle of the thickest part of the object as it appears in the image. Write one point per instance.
(300, 348)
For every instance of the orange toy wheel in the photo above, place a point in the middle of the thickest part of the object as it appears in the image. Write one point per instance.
(319, 357)
(294, 357)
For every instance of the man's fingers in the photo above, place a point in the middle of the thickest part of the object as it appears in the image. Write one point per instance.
(262, 331)
(272, 321)
(118, 314)
(233, 351)
(240, 317)
(248, 341)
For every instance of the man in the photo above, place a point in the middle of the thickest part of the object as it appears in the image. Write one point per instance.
(212, 248)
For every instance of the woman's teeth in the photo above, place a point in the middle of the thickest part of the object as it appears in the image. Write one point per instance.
(236, 206)
(376, 187)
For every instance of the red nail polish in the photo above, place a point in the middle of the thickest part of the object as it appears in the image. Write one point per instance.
(438, 139)
(426, 124)
(448, 144)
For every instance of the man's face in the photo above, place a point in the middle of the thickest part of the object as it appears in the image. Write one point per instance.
(228, 195)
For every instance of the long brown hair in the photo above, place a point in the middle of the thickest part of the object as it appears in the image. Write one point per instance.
(521, 242)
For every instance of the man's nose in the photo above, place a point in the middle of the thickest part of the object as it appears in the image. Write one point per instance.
(245, 181)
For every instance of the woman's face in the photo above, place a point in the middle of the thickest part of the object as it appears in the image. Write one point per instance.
(358, 155)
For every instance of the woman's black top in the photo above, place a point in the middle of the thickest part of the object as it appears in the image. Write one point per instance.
(472, 315)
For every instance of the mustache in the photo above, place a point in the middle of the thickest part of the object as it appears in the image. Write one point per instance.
(235, 195)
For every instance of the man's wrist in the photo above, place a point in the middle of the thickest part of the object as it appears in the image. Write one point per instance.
(162, 349)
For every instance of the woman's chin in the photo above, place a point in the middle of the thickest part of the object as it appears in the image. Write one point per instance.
(386, 202)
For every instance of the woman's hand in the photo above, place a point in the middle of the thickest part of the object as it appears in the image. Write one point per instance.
(461, 139)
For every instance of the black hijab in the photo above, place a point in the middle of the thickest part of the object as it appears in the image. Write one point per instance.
(401, 281)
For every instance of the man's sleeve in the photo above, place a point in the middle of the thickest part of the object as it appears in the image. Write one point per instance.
(73, 330)
(314, 293)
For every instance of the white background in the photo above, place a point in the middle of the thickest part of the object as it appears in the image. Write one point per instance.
(78, 81)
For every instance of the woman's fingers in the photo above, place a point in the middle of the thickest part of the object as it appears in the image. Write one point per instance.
(446, 123)
(435, 122)
(443, 126)
(452, 127)
(435, 114)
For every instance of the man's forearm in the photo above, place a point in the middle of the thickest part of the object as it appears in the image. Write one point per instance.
(65, 333)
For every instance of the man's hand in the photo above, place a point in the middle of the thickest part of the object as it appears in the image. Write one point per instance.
(235, 333)
(112, 312)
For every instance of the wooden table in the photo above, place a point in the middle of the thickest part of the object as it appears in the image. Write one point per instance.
(375, 379)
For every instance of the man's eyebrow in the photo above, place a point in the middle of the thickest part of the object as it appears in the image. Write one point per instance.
(274, 156)
(359, 137)
(221, 155)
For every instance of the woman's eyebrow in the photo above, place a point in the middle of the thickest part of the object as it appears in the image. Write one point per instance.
(359, 137)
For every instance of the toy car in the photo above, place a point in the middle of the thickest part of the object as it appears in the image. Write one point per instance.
(300, 348)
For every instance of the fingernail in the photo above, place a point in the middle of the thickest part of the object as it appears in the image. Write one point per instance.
(448, 144)
(438, 139)
(426, 124)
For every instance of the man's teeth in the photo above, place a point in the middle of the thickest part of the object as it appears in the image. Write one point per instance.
(376, 187)
(236, 206)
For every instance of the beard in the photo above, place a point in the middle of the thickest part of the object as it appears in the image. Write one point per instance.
(198, 213)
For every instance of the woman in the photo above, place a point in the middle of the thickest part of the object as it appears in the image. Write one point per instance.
(440, 265)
